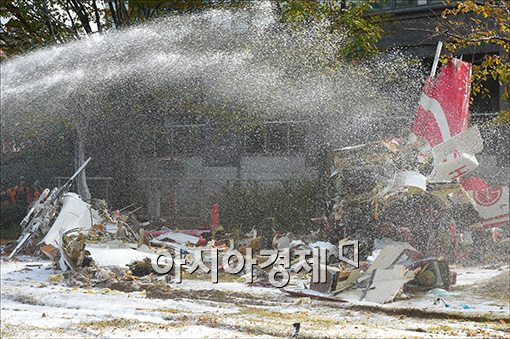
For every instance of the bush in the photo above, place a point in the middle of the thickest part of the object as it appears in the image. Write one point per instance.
(287, 207)
(9, 222)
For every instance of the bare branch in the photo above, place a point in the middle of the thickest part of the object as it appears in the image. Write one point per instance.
(505, 6)
(480, 39)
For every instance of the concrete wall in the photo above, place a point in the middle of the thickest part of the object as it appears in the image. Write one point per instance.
(274, 168)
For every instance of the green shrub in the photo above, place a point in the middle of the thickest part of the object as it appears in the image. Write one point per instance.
(287, 207)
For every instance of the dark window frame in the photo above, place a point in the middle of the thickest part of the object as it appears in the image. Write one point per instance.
(268, 147)
(398, 5)
(194, 147)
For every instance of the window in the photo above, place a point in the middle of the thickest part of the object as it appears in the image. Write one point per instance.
(394, 4)
(297, 137)
(408, 3)
(184, 139)
(384, 4)
(276, 137)
(255, 141)
(221, 148)
(487, 104)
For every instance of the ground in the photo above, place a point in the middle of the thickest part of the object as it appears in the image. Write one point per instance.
(36, 303)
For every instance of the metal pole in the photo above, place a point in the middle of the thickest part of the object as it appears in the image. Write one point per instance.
(436, 59)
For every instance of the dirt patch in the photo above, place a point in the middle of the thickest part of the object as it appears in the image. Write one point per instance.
(120, 279)
(238, 298)
(25, 299)
(428, 314)
(496, 288)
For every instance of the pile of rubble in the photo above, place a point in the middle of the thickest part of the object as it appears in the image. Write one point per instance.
(95, 248)
(393, 266)
(98, 248)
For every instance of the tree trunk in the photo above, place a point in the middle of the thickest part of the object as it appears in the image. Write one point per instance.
(116, 21)
(81, 180)
(83, 16)
(96, 13)
(73, 24)
(324, 168)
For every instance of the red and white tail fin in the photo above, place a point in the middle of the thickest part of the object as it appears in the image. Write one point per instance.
(443, 111)
(442, 120)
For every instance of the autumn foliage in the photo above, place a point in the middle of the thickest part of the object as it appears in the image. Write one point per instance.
(487, 23)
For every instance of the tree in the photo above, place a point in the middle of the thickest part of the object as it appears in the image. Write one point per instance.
(473, 23)
(355, 26)
(33, 24)
(126, 85)
(128, 12)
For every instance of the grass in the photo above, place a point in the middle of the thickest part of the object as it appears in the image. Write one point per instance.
(8, 331)
(24, 331)
(164, 310)
(441, 329)
(222, 277)
(260, 312)
(103, 324)
(502, 326)
(28, 299)
(313, 323)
